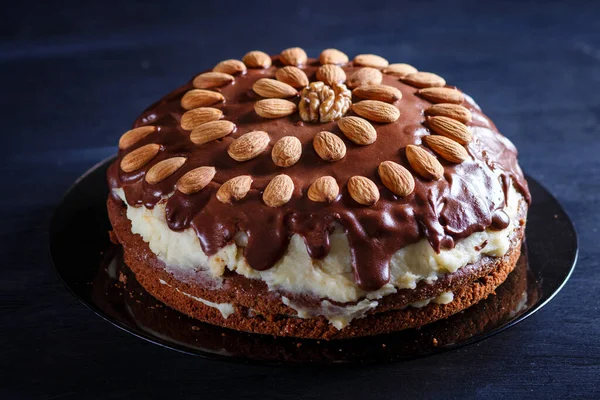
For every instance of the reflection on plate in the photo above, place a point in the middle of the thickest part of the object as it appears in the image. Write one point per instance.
(94, 271)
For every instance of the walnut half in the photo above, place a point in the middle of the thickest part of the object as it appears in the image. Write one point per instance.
(322, 103)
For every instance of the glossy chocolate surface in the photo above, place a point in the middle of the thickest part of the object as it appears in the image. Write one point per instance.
(467, 199)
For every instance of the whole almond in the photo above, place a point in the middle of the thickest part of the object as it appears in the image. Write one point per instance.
(200, 98)
(195, 180)
(376, 111)
(446, 148)
(139, 157)
(273, 89)
(324, 190)
(230, 67)
(211, 131)
(257, 59)
(442, 95)
(358, 130)
(363, 190)
(385, 93)
(399, 70)
(450, 128)
(193, 118)
(370, 60)
(424, 80)
(333, 56)
(248, 146)
(424, 163)
(293, 76)
(234, 189)
(365, 76)
(164, 169)
(453, 111)
(279, 191)
(274, 108)
(293, 56)
(330, 74)
(287, 151)
(396, 178)
(210, 80)
(134, 135)
(329, 146)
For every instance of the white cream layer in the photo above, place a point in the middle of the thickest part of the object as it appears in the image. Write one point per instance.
(226, 309)
(340, 317)
(330, 278)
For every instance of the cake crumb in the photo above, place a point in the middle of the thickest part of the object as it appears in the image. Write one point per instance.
(122, 278)
(195, 328)
(435, 342)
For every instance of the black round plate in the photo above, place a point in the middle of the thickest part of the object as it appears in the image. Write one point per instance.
(93, 269)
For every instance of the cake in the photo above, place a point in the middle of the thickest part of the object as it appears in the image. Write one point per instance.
(116, 288)
(319, 198)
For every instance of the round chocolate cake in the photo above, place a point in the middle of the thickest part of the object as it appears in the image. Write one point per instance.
(318, 198)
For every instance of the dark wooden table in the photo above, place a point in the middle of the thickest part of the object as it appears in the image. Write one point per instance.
(74, 75)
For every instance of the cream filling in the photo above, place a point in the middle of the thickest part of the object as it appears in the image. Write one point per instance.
(330, 278)
(442, 298)
(341, 316)
(338, 316)
(226, 309)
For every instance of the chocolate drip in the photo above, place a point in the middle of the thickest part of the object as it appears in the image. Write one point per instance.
(315, 228)
(499, 220)
(468, 199)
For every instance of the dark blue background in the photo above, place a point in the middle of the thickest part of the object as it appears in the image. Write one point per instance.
(73, 75)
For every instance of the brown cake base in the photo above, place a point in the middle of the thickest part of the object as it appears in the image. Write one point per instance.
(259, 310)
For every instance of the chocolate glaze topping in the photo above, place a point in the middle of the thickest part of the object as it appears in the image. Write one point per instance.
(468, 199)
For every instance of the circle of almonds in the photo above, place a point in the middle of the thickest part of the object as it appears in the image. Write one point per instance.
(446, 119)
